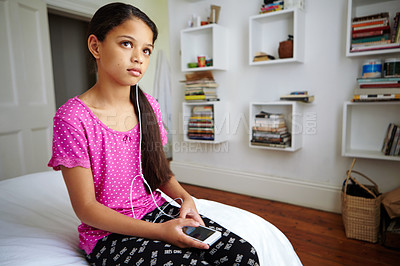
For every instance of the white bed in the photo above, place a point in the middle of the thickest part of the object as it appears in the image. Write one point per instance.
(38, 225)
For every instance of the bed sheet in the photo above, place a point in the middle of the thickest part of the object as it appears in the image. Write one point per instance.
(38, 225)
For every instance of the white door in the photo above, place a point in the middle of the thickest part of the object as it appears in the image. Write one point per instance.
(27, 102)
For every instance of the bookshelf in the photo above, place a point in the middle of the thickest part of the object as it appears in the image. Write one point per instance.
(364, 128)
(267, 30)
(357, 8)
(293, 114)
(220, 119)
(209, 40)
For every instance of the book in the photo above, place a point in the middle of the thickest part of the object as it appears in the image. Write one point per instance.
(202, 109)
(196, 136)
(270, 129)
(383, 28)
(375, 91)
(199, 76)
(261, 56)
(390, 138)
(371, 26)
(203, 124)
(387, 137)
(370, 17)
(200, 130)
(204, 100)
(199, 97)
(264, 114)
(270, 7)
(301, 98)
(272, 135)
(395, 141)
(272, 145)
(201, 118)
(369, 22)
(270, 126)
(362, 48)
(381, 85)
(374, 39)
(201, 84)
(397, 149)
(368, 33)
(270, 138)
(200, 92)
(368, 44)
(299, 93)
(269, 120)
(378, 80)
(375, 97)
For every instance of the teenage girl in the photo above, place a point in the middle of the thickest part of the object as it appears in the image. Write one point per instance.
(108, 144)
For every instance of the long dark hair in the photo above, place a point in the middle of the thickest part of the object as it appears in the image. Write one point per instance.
(156, 168)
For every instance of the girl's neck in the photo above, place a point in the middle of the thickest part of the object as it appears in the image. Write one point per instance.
(105, 96)
(112, 107)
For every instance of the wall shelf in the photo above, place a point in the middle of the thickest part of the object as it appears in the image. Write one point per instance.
(210, 41)
(293, 114)
(357, 8)
(266, 31)
(364, 128)
(219, 118)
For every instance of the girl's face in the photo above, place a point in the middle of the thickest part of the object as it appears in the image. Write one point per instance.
(123, 56)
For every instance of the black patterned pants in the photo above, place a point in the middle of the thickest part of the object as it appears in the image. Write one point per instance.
(117, 249)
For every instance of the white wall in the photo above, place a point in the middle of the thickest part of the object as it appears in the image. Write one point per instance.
(157, 10)
(311, 176)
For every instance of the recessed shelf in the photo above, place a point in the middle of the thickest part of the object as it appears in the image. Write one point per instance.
(293, 114)
(266, 31)
(364, 128)
(210, 41)
(219, 119)
(357, 8)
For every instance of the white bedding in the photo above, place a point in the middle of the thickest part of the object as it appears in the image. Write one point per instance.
(38, 225)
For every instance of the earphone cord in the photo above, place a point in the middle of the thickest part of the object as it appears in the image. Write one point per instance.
(141, 170)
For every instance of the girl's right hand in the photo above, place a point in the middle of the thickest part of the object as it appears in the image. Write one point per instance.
(172, 232)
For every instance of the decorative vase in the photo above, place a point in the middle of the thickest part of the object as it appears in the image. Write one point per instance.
(286, 49)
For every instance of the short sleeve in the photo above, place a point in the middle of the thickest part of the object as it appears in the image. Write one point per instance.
(70, 147)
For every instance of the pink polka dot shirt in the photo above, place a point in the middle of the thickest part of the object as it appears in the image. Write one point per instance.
(81, 139)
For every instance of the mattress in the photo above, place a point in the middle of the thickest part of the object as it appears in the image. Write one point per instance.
(39, 227)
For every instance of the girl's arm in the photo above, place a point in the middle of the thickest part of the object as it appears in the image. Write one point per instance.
(79, 182)
(188, 209)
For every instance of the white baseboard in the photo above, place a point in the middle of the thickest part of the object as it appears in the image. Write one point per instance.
(317, 196)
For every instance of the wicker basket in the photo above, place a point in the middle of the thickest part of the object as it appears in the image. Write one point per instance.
(361, 211)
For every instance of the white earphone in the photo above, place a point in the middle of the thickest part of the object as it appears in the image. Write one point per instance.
(141, 170)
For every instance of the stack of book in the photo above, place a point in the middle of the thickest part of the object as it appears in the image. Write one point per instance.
(271, 6)
(201, 123)
(200, 86)
(373, 32)
(377, 89)
(391, 143)
(270, 130)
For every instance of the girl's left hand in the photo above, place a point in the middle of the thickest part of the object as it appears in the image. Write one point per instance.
(189, 211)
